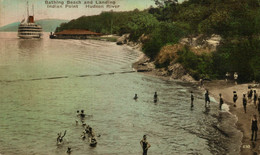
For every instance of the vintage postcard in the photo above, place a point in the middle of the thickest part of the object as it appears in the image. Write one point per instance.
(129, 77)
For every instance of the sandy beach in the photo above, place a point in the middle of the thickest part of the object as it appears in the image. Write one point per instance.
(244, 119)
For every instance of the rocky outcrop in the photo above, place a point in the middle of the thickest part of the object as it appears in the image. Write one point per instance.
(167, 54)
(202, 43)
(177, 71)
(123, 39)
(174, 71)
(144, 65)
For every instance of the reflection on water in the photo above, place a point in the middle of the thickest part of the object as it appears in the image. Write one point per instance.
(29, 47)
(44, 82)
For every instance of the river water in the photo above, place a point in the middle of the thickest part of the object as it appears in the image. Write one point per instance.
(44, 82)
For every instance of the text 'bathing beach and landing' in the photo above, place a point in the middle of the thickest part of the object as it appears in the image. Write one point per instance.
(79, 4)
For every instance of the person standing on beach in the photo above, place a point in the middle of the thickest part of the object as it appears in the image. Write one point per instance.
(235, 97)
(201, 83)
(254, 128)
(145, 145)
(235, 77)
(191, 98)
(227, 76)
(249, 93)
(258, 105)
(207, 99)
(244, 102)
(255, 97)
(221, 101)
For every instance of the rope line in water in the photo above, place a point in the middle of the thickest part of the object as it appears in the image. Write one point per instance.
(64, 77)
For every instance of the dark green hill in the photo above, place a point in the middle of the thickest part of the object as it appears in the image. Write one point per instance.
(48, 25)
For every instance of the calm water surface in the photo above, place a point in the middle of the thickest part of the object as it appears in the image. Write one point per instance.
(44, 82)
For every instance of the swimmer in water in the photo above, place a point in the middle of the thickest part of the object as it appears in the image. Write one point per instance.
(87, 129)
(91, 133)
(83, 136)
(69, 150)
(82, 115)
(135, 98)
(78, 113)
(60, 138)
(93, 142)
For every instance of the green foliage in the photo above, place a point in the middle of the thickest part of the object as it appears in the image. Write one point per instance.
(237, 21)
(134, 22)
(140, 23)
(163, 3)
(242, 56)
(199, 66)
(163, 34)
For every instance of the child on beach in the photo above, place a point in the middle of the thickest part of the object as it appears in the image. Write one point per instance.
(244, 102)
(235, 97)
(254, 128)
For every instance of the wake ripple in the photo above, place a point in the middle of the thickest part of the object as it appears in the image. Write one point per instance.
(65, 77)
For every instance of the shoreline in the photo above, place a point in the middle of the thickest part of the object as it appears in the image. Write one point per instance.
(243, 119)
(215, 87)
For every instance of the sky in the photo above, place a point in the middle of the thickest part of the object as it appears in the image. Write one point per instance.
(15, 10)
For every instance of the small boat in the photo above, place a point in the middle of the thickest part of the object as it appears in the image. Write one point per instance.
(28, 28)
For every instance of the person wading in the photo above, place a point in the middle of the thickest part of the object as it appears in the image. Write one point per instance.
(145, 145)
(155, 97)
(221, 101)
(191, 99)
(136, 97)
(207, 99)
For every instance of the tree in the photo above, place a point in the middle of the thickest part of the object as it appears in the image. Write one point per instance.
(163, 3)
